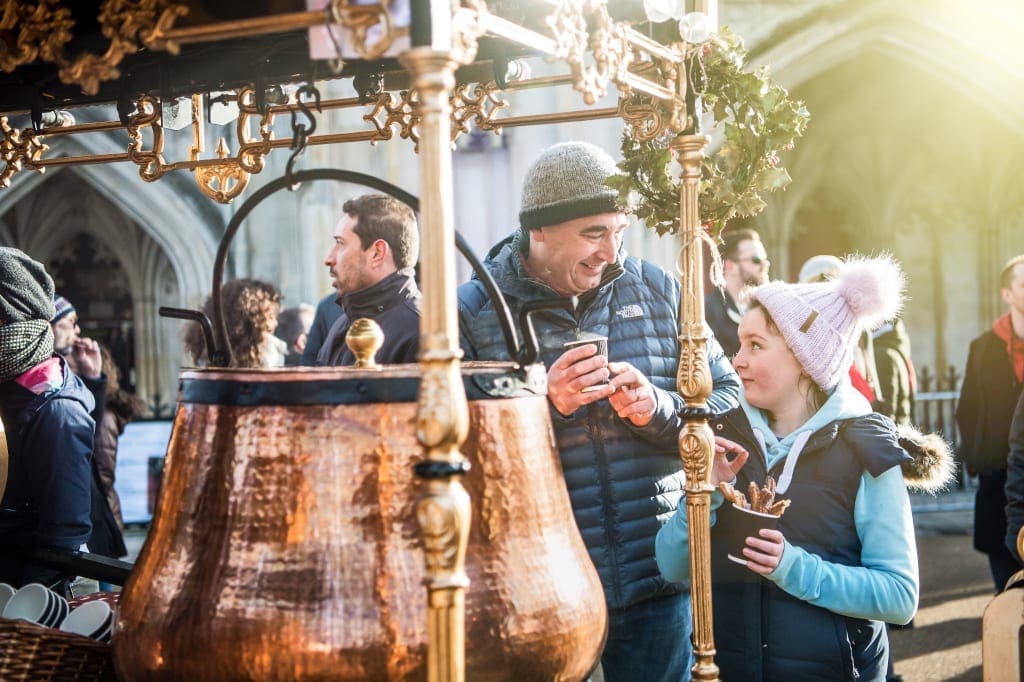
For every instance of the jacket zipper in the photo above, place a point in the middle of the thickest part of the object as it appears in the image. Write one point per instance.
(609, 530)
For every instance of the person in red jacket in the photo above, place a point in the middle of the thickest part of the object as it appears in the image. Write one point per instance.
(992, 385)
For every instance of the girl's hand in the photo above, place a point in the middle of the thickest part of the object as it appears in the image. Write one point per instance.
(722, 469)
(764, 553)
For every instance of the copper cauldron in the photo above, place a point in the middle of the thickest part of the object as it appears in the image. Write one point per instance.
(284, 544)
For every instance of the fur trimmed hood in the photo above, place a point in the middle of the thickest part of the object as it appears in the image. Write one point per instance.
(930, 469)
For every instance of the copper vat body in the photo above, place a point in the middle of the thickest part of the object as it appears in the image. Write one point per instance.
(284, 544)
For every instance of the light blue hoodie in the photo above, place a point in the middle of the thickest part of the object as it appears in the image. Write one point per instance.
(885, 585)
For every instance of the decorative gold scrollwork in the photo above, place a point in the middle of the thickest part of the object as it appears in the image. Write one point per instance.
(696, 442)
(123, 22)
(359, 19)
(38, 31)
(610, 49)
(19, 149)
(651, 117)
(481, 107)
(252, 151)
(442, 519)
(693, 376)
(223, 182)
(402, 111)
(150, 161)
(644, 115)
(469, 22)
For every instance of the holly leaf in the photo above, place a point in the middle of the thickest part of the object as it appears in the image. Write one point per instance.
(772, 179)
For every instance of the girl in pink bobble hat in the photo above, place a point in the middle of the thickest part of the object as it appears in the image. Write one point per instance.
(808, 600)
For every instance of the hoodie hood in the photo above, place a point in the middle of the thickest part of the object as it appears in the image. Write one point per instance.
(844, 403)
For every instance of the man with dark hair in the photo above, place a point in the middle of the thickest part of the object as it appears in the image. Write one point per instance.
(617, 423)
(82, 353)
(376, 246)
(45, 409)
(991, 388)
(744, 266)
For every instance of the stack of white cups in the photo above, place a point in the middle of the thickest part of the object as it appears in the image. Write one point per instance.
(38, 604)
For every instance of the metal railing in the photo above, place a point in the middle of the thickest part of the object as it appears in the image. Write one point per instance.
(934, 406)
(934, 411)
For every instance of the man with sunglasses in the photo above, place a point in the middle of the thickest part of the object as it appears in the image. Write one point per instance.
(744, 266)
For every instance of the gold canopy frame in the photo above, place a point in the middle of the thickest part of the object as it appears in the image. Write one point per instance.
(440, 87)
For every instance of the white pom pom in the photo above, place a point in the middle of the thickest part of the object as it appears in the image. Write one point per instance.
(873, 288)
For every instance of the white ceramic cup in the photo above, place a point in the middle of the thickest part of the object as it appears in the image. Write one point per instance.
(32, 603)
(59, 609)
(6, 592)
(93, 619)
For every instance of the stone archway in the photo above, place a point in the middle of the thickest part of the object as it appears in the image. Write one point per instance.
(914, 127)
(164, 234)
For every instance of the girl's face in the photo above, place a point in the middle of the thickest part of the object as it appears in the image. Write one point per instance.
(767, 367)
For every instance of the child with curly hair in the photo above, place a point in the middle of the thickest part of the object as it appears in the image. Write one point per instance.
(251, 307)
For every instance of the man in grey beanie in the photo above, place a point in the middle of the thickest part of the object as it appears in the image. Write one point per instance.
(616, 418)
(45, 413)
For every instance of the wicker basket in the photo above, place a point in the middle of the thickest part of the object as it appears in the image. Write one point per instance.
(32, 652)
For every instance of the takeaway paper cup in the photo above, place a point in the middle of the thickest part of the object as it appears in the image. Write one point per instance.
(602, 349)
(746, 523)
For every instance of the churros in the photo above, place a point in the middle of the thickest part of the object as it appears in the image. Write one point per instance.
(762, 499)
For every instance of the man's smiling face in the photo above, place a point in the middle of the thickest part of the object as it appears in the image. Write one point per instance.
(571, 257)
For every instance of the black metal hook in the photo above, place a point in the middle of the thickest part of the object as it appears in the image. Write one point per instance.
(213, 351)
(500, 66)
(301, 131)
(530, 350)
(368, 85)
(37, 112)
(220, 330)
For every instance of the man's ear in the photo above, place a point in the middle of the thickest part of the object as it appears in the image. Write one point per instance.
(380, 250)
(1006, 295)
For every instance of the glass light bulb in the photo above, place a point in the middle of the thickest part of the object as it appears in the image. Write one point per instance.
(695, 28)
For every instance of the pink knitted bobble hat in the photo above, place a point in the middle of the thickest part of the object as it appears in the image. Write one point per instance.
(822, 322)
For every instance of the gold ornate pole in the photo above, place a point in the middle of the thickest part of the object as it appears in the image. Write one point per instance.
(443, 419)
(696, 440)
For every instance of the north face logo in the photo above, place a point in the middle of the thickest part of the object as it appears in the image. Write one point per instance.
(630, 311)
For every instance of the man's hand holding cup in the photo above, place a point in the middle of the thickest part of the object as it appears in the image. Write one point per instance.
(580, 376)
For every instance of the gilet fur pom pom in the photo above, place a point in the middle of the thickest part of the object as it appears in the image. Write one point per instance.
(931, 469)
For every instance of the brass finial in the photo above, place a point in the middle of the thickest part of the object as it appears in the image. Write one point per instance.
(364, 338)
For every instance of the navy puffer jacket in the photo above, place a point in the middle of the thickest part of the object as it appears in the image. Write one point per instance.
(49, 488)
(624, 481)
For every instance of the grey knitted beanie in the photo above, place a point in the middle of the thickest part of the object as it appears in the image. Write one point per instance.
(567, 182)
(26, 291)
